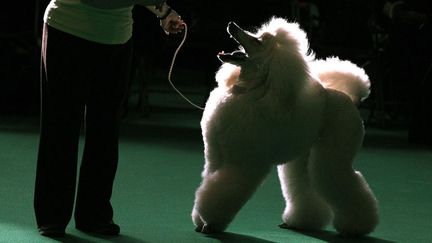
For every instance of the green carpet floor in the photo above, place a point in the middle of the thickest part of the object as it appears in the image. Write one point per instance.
(160, 165)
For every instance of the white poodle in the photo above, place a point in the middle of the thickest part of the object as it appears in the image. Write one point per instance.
(276, 105)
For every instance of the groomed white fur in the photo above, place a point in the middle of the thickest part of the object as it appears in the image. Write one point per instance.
(344, 76)
(282, 107)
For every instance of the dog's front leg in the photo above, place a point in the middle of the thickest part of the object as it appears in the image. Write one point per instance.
(222, 194)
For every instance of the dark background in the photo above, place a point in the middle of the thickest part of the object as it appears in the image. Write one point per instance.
(396, 53)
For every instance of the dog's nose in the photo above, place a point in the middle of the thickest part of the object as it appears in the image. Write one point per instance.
(232, 24)
(232, 27)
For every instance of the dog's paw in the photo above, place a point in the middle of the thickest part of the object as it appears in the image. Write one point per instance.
(206, 229)
(199, 228)
(292, 227)
(197, 220)
(355, 226)
(307, 218)
(286, 226)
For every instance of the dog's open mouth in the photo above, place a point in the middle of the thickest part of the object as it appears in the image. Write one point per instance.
(232, 57)
(243, 38)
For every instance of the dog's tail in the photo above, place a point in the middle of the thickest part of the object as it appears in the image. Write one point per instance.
(343, 76)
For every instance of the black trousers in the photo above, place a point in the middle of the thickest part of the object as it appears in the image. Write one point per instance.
(83, 83)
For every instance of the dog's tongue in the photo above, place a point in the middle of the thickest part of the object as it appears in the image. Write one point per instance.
(232, 56)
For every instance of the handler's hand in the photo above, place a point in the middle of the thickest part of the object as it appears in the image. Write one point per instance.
(172, 24)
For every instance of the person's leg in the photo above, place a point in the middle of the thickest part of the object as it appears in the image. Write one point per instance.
(61, 116)
(93, 211)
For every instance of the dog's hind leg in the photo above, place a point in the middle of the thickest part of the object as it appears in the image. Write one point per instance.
(304, 208)
(344, 189)
(222, 194)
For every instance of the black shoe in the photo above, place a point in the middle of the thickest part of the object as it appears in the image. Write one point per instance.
(52, 230)
(99, 228)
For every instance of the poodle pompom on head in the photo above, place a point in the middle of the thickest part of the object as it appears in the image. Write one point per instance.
(286, 35)
(276, 41)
